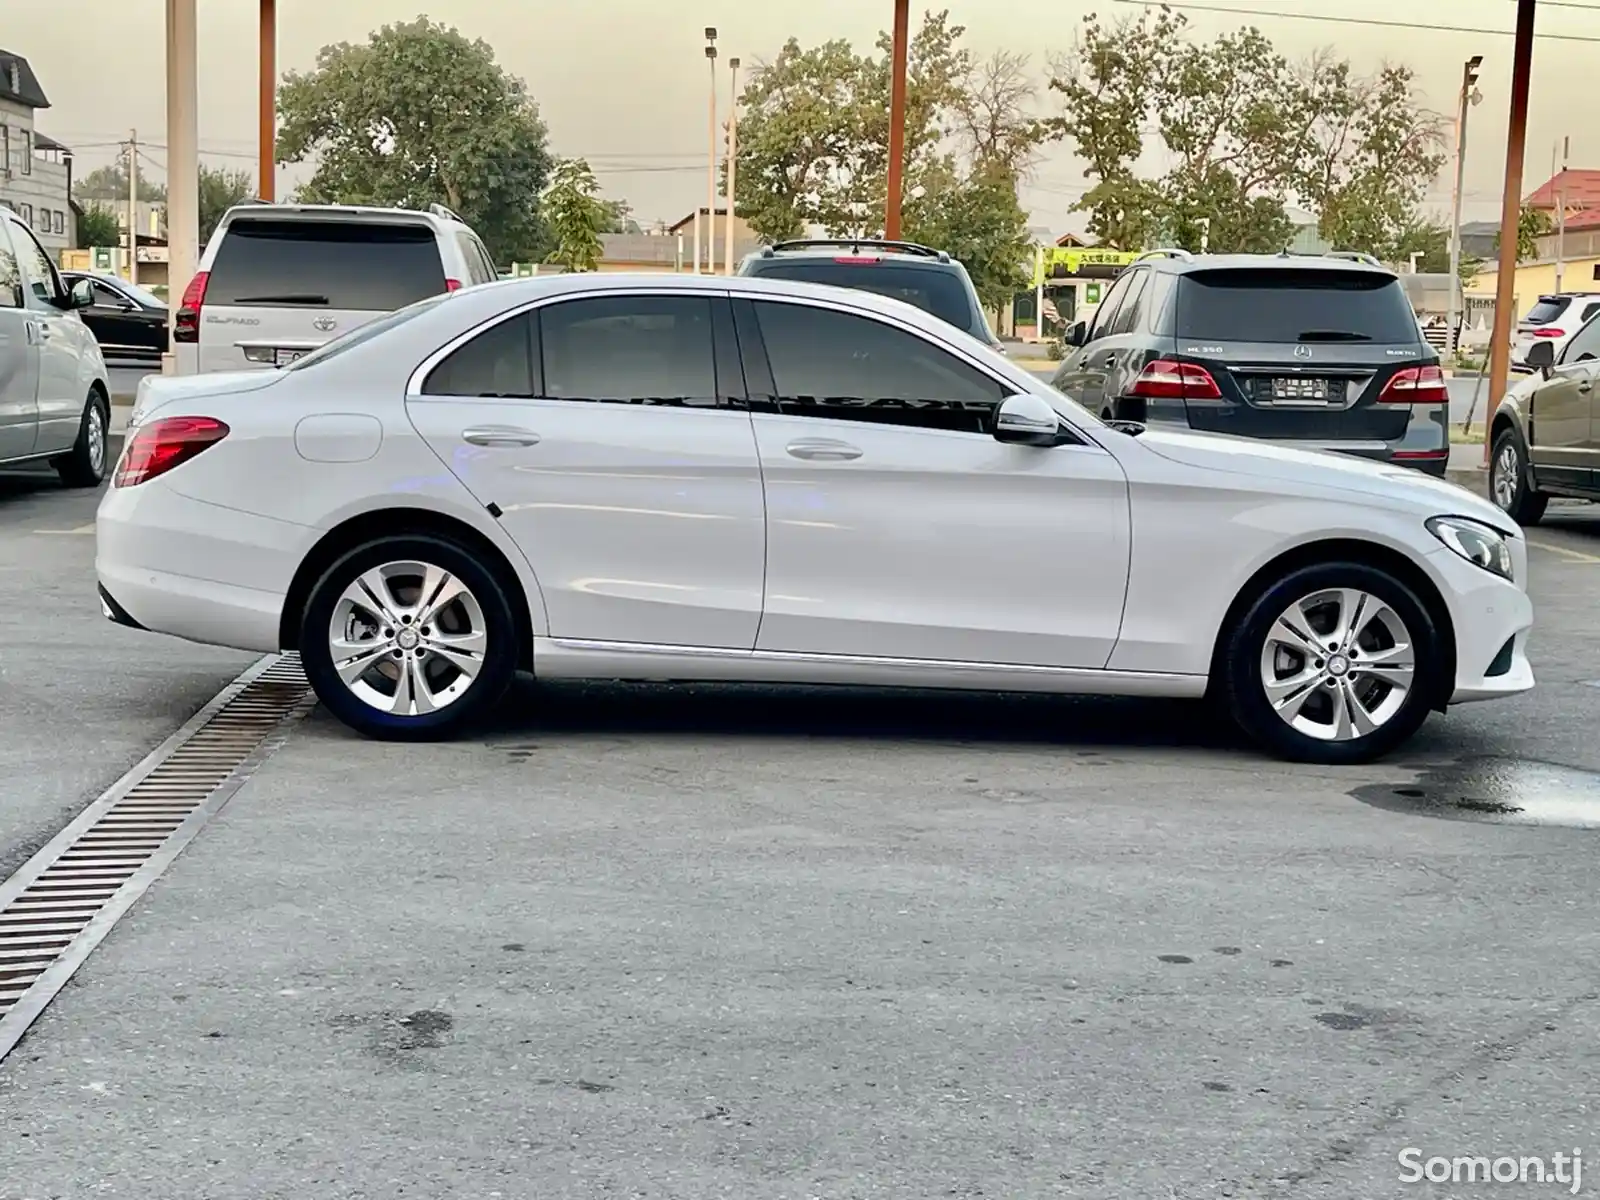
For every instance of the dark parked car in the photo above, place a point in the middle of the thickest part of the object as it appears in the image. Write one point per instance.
(126, 320)
(1545, 436)
(919, 275)
(1321, 352)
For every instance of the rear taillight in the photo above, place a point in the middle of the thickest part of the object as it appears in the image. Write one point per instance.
(186, 324)
(1416, 385)
(156, 448)
(1547, 332)
(1165, 379)
(452, 285)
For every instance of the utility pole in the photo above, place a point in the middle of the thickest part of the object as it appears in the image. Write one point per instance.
(711, 168)
(1469, 95)
(733, 163)
(1561, 215)
(133, 206)
(267, 100)
(897, 119)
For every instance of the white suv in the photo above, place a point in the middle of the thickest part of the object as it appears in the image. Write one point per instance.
(278, 280)
(1554, 318)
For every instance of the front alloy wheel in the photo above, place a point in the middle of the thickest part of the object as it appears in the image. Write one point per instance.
(1334, 663)
(408, 638)
(1510, 483)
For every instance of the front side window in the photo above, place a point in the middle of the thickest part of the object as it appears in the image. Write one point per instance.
(498, 363)
(10, 271)
(630, 350)
(1585, 344)
(106, 297)
(1106, 313)
(43, 282)
(832, 364)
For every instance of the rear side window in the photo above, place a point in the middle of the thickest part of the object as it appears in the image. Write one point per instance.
(941, 293)
(630, 350)
(1546, 310)
(325, 264)
(1288, 305)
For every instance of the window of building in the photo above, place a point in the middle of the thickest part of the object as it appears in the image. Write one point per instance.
(27, 152)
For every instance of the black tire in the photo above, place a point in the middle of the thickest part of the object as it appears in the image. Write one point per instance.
(85, 465)
(1508, 465)
(497, 665)
(1244, 688)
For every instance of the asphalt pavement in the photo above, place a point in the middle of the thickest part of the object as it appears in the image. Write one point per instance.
(694, 941)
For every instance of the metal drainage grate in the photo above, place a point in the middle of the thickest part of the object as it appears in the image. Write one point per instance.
(66, 898)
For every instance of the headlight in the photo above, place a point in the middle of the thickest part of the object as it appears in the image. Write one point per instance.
(1474, 542)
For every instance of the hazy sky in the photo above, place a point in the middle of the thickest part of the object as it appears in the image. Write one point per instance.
(625, 82)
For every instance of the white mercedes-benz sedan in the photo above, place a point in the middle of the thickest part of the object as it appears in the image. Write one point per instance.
(700, 478)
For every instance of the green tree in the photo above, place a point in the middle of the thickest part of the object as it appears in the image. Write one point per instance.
(575, 216)
(98, 226)
(420, 114)
(1245, 132)
(814, 129)
(977, 219)
(620, 217)
(1532, 224)
(220, 189)
(110, 184)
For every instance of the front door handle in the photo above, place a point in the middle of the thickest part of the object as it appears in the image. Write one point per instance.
(1586, 387)
(822, 450)
(500, 435)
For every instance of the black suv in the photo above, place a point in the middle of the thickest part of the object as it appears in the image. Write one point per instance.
(920, 275)
(1321, 351)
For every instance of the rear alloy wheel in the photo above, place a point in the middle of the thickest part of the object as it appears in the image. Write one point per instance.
(408, 638)
(84, 466)
(1510, 483)
(1334, 664)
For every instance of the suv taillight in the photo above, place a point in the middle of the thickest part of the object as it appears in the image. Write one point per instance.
(186, 324)
(1550, 332)
(1166, 379)
(452, 285)
(1416, 385)
(156, 448)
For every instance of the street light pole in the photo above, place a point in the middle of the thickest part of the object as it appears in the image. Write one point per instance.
(1469, 95)
(897, 118)
(733, 163)
(711, 167)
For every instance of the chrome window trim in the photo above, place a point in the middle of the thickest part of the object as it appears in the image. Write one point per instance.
(418, 377)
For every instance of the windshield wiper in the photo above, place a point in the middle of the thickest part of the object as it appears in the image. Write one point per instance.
(283, 298)
(1331, 335)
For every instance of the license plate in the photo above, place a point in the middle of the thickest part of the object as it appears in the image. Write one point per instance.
(1301, 389)
(283, 358)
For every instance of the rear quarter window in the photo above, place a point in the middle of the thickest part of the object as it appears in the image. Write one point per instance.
(353, 265)
(942, 293)
(1289, 305)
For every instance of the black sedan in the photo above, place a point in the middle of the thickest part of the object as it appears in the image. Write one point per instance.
(126, 320)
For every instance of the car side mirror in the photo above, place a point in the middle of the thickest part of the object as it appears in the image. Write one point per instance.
(1027, 420)
(80, 295)
(1541, 356)
(1076, 333)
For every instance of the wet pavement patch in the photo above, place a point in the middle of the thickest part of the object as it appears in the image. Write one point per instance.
(1496, 791)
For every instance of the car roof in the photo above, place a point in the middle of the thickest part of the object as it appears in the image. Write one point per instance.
(508, 292)
(907, 253)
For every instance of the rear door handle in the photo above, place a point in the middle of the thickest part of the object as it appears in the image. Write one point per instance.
(822, 450)
(500, 435)
(1586, 386)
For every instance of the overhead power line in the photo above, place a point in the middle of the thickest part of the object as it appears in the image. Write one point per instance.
(1327, 19)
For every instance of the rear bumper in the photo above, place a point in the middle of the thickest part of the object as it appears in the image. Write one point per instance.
(168, 564)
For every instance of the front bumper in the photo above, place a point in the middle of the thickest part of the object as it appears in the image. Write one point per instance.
(1493, 618)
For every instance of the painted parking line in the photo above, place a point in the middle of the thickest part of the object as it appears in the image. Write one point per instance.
(80, 531)
(1577, 556)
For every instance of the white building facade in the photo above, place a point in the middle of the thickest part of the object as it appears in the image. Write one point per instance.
(35, 170)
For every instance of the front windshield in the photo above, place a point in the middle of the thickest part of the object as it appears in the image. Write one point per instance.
(364, 333)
